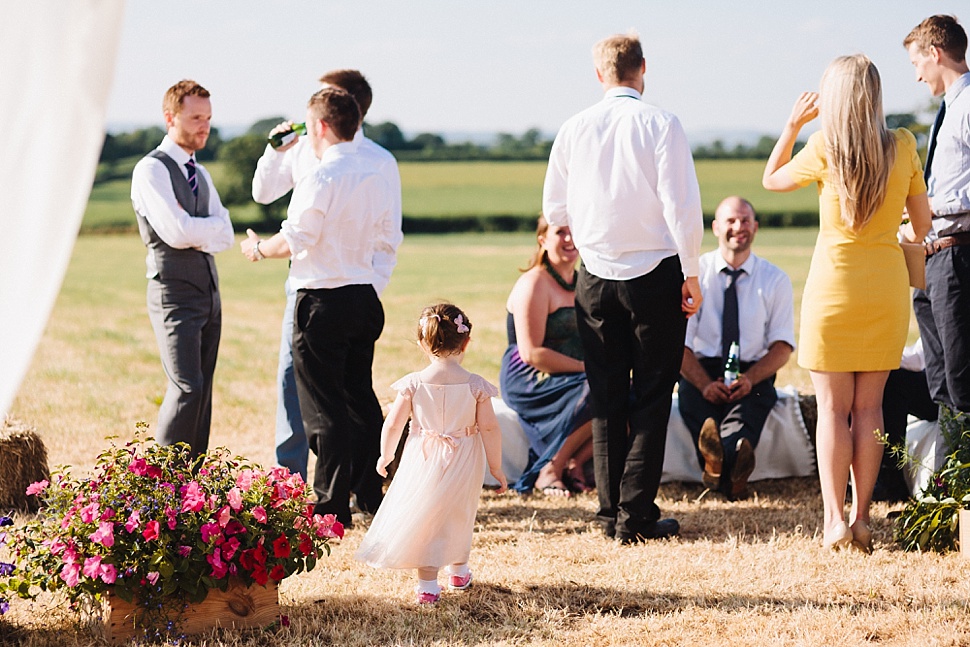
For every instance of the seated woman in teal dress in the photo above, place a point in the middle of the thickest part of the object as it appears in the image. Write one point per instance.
(543, 376)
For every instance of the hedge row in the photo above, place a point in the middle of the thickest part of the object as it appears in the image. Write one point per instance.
(512, 223)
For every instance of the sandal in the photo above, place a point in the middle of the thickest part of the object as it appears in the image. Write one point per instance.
(555, 489)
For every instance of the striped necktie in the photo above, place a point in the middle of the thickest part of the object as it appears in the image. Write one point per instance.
(193, 178)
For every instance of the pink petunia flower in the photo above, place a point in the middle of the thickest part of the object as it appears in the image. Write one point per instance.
(193, 498)
(259, 513)
(151, 530)
(89, 512)
(230, 547)
(184, 551)
(37, 487)
(109, 573)
(71, 574)
(172, 518)
(210, 530)
(219, 567)
(223, 516)
(133, 520)
(92, 567)
(138, 467)
(245, 480)
(152, 577)
(104, 535)
(235, 499)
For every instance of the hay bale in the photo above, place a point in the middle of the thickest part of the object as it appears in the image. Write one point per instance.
(23, 460)
(809, 409)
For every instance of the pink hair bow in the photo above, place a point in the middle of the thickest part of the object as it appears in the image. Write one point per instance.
(462, 328)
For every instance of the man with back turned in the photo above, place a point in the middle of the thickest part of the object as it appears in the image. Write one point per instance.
(622, 178)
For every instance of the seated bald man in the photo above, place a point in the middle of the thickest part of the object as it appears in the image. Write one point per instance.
(747, 300)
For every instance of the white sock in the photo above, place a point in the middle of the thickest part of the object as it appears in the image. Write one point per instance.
(460, 571)
(429, 586)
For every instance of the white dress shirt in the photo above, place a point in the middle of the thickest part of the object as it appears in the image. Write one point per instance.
(153, 197)
(277, 173)
(766, 313)
(622, 177)
(340, 214)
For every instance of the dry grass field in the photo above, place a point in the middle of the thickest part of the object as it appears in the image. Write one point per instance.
(747, 573)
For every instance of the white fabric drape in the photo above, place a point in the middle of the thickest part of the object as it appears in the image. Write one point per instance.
(57, 61)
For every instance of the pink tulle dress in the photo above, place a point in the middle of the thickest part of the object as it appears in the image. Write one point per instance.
(428, 513)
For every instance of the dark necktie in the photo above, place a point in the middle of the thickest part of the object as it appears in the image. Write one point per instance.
(932, 146)
(730, 331)
(193, 178)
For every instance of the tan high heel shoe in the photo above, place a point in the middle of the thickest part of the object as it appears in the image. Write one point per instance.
(862, 536)
(840, 536)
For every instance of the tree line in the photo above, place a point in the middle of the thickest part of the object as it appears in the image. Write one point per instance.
(240, 154)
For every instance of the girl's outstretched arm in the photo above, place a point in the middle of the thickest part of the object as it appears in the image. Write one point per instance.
(492, 439)
(391, 431)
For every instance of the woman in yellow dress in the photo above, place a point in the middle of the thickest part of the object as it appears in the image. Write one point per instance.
(856, 304)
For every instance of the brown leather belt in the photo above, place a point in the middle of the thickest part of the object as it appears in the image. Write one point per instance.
(938, 245)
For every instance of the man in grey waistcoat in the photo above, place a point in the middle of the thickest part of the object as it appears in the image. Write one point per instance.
(183, 223)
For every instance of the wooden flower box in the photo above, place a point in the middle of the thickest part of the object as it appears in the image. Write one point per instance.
(239, 607)
(963, 528)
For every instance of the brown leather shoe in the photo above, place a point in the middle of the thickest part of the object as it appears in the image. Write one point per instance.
(709, 444)
(743, 466)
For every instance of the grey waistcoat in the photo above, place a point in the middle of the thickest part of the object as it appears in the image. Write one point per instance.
(166, 262)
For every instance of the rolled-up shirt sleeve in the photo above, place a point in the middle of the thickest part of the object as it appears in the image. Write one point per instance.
(390, 235)
(680, 195)
(152, 196)
(274, 175)
(304, 217)
(781, 312)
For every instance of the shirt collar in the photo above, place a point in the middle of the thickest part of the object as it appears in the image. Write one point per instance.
(173, 150)
(621, 91)
(747, 266)
(340, 149)
(956, 88)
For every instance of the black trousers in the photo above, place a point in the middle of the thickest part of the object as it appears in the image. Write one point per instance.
(736, 420)
(906, 393)
(334, 332)
(631, 326)
(943, 314)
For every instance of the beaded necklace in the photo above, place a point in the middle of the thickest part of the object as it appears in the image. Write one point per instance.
(569, 287)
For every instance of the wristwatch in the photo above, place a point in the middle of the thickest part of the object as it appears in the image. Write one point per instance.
(256, 252)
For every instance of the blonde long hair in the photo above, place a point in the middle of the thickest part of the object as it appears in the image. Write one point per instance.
(859, 148)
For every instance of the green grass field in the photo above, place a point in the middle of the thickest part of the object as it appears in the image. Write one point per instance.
(442, 189)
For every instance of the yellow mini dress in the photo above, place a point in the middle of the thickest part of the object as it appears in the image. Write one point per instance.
(856, 304)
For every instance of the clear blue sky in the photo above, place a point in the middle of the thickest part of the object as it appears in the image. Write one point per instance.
(508, 65)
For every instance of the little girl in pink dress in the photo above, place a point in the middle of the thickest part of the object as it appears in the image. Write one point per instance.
(428, 514)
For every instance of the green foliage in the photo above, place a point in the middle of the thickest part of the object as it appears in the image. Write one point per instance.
(239, 157)
(930, 522)
(263, 126)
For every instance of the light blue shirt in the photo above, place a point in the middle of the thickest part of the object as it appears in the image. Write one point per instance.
(766, 313)
(949, 181)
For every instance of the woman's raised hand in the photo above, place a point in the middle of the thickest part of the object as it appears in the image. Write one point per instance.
(805, 109)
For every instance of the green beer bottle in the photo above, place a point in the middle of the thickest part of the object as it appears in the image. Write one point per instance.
(732, 368)
(285, 137)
